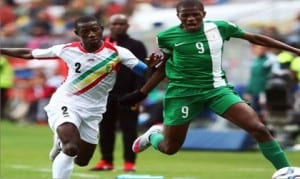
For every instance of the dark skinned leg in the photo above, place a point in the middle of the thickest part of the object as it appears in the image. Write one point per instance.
(174, 137)
(245, 117)
(73, 145)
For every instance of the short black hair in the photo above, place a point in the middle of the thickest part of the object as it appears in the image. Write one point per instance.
(189, 3)
(84, 19)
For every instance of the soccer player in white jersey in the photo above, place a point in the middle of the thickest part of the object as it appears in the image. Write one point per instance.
(76, 108)
(192, 52)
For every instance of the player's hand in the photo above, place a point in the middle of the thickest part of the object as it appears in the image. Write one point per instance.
(132, 98)
(155, 59)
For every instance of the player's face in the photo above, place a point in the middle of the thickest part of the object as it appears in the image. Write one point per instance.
(191, 18)
(90, 33)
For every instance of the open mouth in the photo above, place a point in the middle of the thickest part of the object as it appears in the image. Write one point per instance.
(94, 40)
(192, 26)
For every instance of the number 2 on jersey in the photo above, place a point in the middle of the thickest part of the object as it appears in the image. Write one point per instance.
(77, 69)
(65, 111)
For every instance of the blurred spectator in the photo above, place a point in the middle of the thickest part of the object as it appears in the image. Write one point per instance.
(18, 97)
(41, 93)
(7, 19)
(6, 82)
(273, 32)
(113, 8)
(295, 68)
(40, 33)
(124, 117)
(263, 65)
(151, 108)
(7, 13)
(294, 36)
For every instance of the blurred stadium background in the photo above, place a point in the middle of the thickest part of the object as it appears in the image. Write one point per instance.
(42, 23)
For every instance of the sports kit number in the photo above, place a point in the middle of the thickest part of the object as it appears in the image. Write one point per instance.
(77, 67)
(185, 111)
(200, 47)
(65, 111)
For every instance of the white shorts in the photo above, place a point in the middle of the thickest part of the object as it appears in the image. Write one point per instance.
(87, 123)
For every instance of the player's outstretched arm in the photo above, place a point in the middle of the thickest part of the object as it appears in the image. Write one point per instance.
(140, 94)
(154, 80)
(269, 42)
(155, 61)
(24, 53)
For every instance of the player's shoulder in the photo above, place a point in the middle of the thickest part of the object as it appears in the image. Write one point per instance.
(219, 22)
(110, 46)
(121, 50)
(169, 31)
(75, 44)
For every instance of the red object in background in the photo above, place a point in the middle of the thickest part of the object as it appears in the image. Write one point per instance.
(7, 15)
(113, 8)
(211, 2)
(62, 68)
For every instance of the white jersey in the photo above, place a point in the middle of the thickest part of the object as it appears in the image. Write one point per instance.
(90, 75)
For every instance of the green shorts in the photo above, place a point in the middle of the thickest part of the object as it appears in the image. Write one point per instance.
(182, 104)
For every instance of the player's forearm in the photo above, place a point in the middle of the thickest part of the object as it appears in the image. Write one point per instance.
(154, 80)
(273, 43)
(17, 52)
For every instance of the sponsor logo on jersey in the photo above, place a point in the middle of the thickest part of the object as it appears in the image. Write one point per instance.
(179, 44)
(91, 60)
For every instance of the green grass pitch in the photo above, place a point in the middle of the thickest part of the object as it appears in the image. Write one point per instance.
(24, 155)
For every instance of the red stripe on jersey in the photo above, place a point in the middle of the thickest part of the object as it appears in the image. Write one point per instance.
(94, 83)
(91, 85)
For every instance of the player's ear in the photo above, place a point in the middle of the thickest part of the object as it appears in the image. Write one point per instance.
(76, 32)
(204, 14)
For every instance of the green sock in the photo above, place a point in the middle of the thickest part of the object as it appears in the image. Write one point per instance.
(273, 152)
(155, 139)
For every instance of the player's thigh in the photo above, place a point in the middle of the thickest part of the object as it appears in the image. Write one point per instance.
(243, 116)
(89, 139)
(228, 104)
(60, 114)
(181, 110)
(221, 99)
(178, 112)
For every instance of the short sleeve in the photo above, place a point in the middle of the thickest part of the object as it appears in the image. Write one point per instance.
(163, 44)
(51, 52)
(229, 29)
(127, 57)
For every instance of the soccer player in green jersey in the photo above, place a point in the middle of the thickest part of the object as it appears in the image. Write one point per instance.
(192, 58)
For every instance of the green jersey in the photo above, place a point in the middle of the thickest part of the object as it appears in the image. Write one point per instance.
(196, 57)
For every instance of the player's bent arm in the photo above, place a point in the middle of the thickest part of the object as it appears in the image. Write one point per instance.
(154, 80)
(24, 53)
(140, 94)
(140, 69)
(269, 42)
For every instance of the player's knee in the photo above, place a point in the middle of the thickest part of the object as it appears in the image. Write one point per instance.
(170, 150)
(71, 149)
(82, 163)
(260, 132)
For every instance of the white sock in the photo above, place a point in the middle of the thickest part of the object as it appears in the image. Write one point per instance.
(62, 166)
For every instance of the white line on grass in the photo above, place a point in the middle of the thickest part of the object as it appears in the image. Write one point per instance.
(47, 170)
(250, 169)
